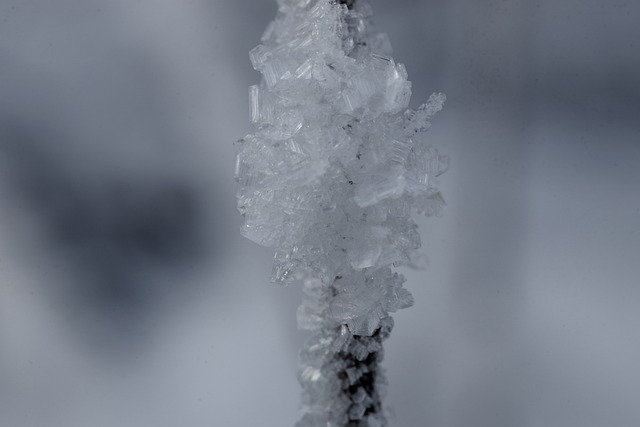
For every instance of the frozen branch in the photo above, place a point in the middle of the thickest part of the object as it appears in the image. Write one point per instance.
(329, 179)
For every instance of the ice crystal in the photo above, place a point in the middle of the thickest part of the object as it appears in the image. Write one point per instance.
(329, 179)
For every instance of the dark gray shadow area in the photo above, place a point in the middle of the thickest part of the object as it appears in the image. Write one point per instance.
(127, 235)
(115, 236)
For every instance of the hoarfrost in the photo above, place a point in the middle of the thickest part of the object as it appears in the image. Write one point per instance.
(329, 179)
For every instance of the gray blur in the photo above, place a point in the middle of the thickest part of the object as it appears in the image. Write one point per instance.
(127, 297)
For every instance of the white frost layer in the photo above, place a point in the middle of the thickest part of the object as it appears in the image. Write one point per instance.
(334, 168)
(330, 178)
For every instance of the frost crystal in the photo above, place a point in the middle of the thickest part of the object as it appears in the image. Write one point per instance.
(329, 179)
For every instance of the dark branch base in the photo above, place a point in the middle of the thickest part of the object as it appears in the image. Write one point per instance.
(349, 3)
(362, 377)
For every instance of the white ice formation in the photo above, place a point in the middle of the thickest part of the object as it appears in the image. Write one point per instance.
(329, 179)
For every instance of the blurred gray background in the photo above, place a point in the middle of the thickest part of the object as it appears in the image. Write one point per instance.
(128, 298)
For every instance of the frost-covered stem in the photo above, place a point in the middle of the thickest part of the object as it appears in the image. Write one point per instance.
(342, 369)
(330, 178)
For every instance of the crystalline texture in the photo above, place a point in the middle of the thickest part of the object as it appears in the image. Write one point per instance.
(329, 179)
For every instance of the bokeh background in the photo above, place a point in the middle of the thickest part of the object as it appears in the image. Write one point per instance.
(128, 298)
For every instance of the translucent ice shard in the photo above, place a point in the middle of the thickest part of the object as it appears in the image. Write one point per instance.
(329, 179)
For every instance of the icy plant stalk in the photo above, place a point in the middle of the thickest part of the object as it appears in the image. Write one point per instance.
(329, 179)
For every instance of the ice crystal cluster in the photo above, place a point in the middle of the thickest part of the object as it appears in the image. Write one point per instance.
(330, 178)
